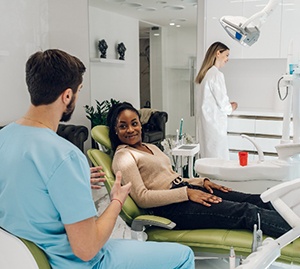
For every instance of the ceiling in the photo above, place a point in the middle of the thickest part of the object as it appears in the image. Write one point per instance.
(182, 13)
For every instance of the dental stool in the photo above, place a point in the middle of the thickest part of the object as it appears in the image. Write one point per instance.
(204, 242)
(20, 253)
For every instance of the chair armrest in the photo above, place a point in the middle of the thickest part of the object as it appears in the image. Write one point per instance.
(285, 198)
(280, 190)
(150, 220)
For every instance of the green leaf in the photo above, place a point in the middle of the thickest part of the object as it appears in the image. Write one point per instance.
(98, 115)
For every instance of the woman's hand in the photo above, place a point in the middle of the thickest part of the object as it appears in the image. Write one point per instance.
(210, 186)
(96, 177)
(202, 197)
(234, 105)
(119, 192)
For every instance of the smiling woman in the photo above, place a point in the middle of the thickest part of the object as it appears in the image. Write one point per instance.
(213, 104)
(192, 203)
(127, 126)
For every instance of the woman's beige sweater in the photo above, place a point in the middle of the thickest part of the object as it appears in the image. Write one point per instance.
(151, 176)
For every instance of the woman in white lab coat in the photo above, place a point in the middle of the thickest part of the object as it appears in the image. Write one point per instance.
(212, 104)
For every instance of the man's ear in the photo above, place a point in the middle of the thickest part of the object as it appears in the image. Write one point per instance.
(67, 96)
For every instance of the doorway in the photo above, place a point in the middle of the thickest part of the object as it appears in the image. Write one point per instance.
(145, 73)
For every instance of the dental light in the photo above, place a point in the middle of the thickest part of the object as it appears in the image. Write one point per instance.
(244, 30)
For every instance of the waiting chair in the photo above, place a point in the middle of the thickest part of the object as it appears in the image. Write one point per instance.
(204, 242)
(76, 134)
(154, 125)
(20, 253)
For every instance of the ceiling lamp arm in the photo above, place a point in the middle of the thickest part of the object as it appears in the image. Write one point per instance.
(244, 30)
(263, 14)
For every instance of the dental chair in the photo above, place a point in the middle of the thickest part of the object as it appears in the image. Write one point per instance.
(20, 253)
(204, 242)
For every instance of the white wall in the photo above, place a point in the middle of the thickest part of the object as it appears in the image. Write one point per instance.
(113, 80)
(253, 83)
(30, 25)
(68, 30)
(23, 30)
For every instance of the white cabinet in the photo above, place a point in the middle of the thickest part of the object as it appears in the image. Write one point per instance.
(264, 130)
(270, 41)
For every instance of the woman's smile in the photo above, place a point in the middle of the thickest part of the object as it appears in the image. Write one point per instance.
(129, 128)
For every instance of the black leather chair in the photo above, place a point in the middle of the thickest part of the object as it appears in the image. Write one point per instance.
(76, 134)
(154, 131)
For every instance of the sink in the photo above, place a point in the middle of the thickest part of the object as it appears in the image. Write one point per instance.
(256, 177)
(265, 173)
(231, 170)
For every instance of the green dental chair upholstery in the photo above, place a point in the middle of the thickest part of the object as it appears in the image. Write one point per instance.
(204, 242)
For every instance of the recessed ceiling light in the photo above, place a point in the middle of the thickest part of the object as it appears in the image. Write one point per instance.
(116, 1)
(132, 4)
(146, 9)
(180, 20)
(178, 25)
(172, 23)
(190, 1)
(173, 7)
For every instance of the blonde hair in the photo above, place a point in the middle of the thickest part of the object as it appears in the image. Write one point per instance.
(209, 59)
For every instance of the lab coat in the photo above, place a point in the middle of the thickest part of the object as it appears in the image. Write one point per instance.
(212, 108)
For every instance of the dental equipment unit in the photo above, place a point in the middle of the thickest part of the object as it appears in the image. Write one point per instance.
(274, 171)
(246, 31)
(285, 199)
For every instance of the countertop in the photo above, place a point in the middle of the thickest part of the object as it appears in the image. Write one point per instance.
(258, 112)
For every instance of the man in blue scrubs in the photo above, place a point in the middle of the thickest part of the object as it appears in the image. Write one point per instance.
(45, 192)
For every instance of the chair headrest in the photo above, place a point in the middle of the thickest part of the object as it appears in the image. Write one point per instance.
(100, 134)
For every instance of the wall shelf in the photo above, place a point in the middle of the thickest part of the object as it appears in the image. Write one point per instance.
(103, 60)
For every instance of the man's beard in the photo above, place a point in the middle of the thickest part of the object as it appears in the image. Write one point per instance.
(66, 116)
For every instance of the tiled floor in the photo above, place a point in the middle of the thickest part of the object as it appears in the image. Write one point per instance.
(122, 231)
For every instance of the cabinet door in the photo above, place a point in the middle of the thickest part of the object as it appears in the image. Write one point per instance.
(269, 127)
(237, 143)
(215, 9)
(267, 145)
(241, 125)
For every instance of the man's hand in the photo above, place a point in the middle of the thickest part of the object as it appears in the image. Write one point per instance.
(96, 177)
(120, 192)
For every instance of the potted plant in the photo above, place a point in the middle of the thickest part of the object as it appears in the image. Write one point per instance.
(98, 115)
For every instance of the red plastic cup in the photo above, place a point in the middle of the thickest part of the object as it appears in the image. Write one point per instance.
(243, 157)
